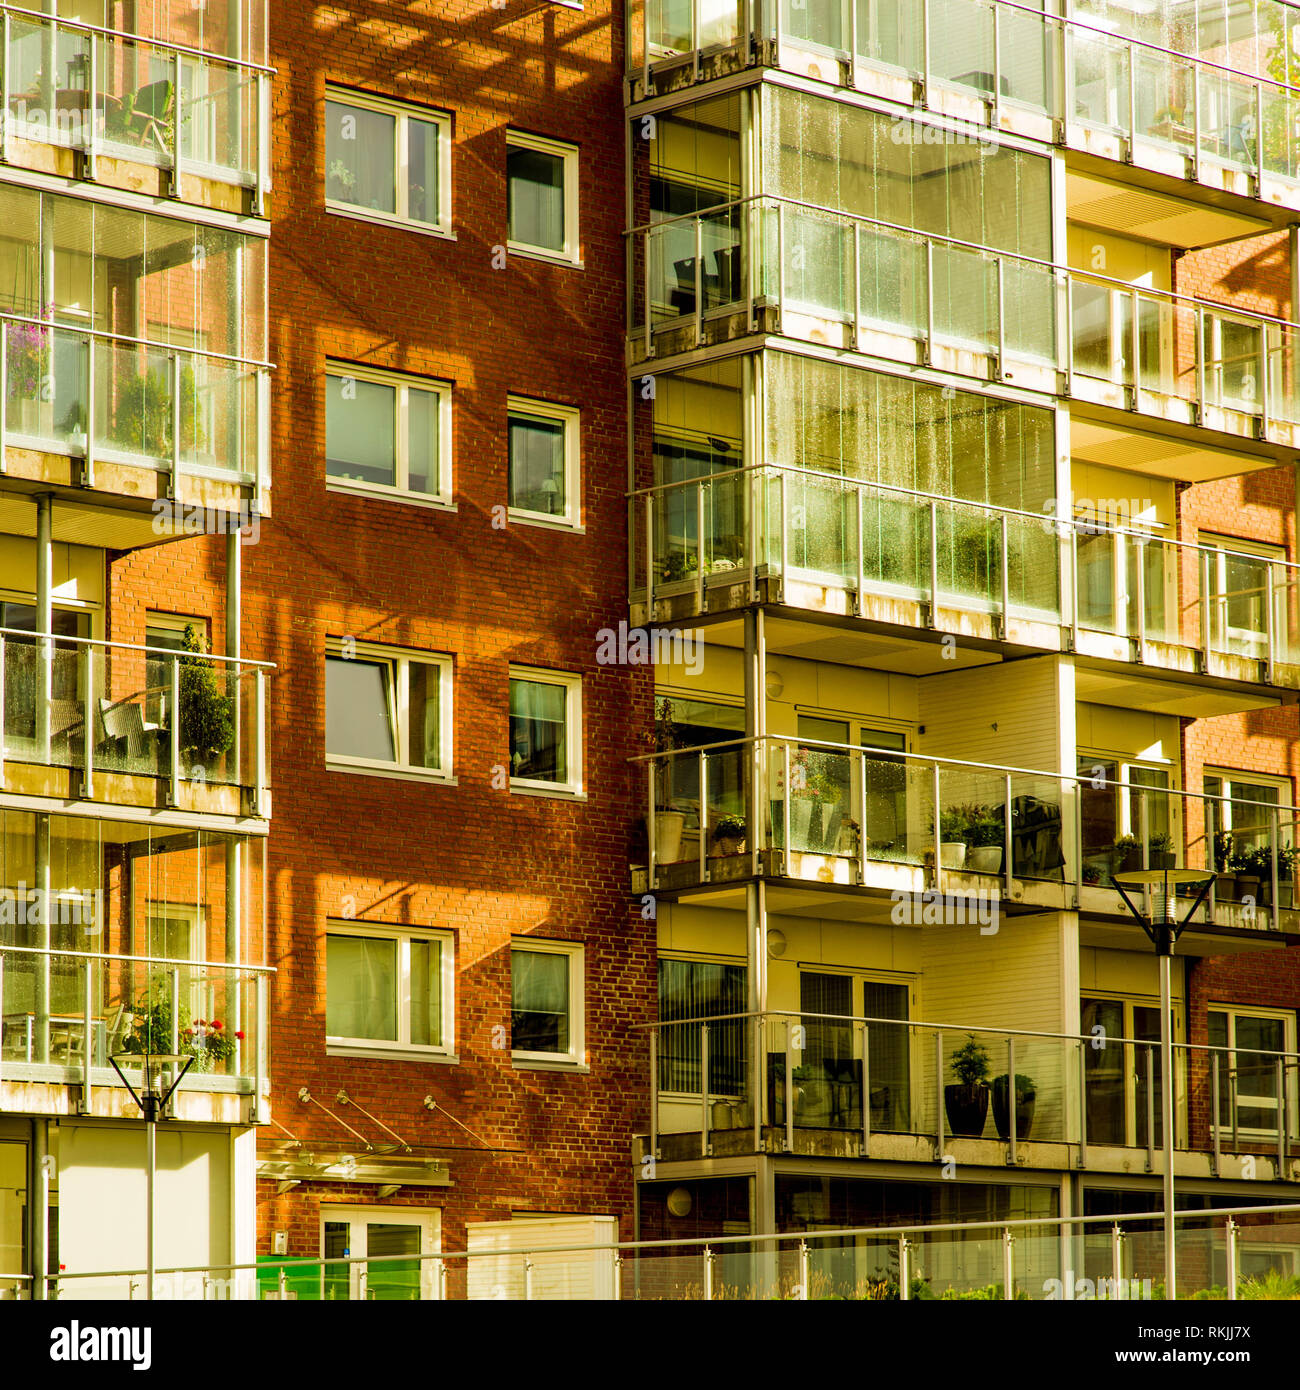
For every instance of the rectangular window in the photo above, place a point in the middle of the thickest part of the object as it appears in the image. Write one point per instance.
(542, 197)
(1244, 820)
(387, 708)
(387, 433)
(546, 1002)
(543, 462)
(388, 989)
(1247, 579)
(1249, 1044)
(545, 730)
(387, 161)
(690, 990)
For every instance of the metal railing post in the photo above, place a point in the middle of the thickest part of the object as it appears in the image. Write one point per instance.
(1008, 1265)
(259, 1047)
(702, 772)
(1273, 854)
(857, 253)
(862, 818)
(803, 1270)
(174, 790)
(1151, 1110)
(1011, 1101)
(785, 529)
(1200, 363)
(654, 1093)
(528, 1278)
(699, 551)
(1270, 633)
(1000, 345)
(1233, 1106)
(1083, 1103)
(938, 830)
(1206, 614)
(699, 265)
(866, 1090)
(259, 744)
(1138, 551)
(1006, 580)
(904, 1268)
(858, 596)
(1117, 1259)
(178, 119)
(88, 724)
(926, 346)
(785, 803)
(174, 975)
(92, 110)
(1216, 1119)
(1007, 844)
(88, 1037)
(173, 482)
(649, 554)
(1230, 1252)
(3, 691)
(1135, 347)
(1281, 1118)
(938, 1089)
(1259, 136)
(708, 1274)
(704, 1091)
(789, 1092)
(934, 564)
(5, 83)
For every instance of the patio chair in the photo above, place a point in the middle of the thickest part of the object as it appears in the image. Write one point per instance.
(148, 116)
(125, 729)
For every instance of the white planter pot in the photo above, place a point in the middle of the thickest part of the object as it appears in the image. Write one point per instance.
(668, 835)
(984, 859)
(952, 854)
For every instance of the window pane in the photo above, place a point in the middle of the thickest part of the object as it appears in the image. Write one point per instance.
(536, 195)
(539, 1019)
(423, 440)
(360, 987)
(360, 439)
(422, 170)
(537, 464)
(426, 993)
(360, 157)
(336, 1278)
(358, 723)
(422, 715)
(537, 731)
(391, 1280)
(693, 989)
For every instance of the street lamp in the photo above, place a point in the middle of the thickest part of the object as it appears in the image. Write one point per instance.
(1158, 917)
(152, 1100)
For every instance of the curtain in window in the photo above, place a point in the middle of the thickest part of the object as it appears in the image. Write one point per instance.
(537, 464)
(536, 198)
(692, 989)
(828, 1048)
(540, 1001)
(360, 157)
(359, 709)
(361, 987)
(537, 731)
(888, 1056)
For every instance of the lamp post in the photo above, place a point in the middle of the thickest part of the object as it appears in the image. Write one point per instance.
(152, 1100)
(1157, 916)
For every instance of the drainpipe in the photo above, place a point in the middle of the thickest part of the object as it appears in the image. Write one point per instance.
(234, 845)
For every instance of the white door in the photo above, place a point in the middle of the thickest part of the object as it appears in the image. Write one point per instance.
(370, 1237)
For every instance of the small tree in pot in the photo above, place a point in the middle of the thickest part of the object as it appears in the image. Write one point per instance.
(729, 834)
(207, 716)
(1026, 1092)
(967, 1103)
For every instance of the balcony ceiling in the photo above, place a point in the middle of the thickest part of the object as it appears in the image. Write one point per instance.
(1160, 456)
(1155, 217)
(76, 523)
(1134, 689)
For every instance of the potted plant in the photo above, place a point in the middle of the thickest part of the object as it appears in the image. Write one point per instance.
(669, 823)
(985, 841)
(1025, 1094)
(1160, 851)
(815, 800)
(1225, 886)
(967, 1102)
(207, 716)
(952, 837)
(142, 419)
(207, 1040)
(1091, 874)
(1250, 867)
(1127, 854)
(729, 835)
(680, 565)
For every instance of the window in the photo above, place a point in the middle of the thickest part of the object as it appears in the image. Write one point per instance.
(1122, 1076)
(692, 990)
(387, 433)
(546, 1002)
(1118, 800)
(542, 197)
(348, 1233)
(1245, 816)
(1243, 575)
(1245, 1042)
(386, 708)
(387, 989)
(166, 632)
(545, 731)
(387, 161)
(543, 462)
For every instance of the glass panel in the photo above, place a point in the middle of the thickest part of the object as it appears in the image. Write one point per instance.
(696, 990)
(537, 464)
(423, 715)
(536, 198)
(361, 987)
(422, 170)
(537, 730)
(888, 1056)
(540, 1001)
(392, 1280)
(360, 430)
(424, 439)
(360, 157)
(426, 993)
(336, 1279)
(359, 715)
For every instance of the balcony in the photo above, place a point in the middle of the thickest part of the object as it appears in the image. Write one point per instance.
(1003, 66)
(864, 821)
(900, 295)
(909, 560)
(66, 1012)
(796, 1083)
(95, 722)
(134, 111)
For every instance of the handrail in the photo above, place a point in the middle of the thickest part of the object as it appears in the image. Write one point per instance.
(239, 966)
(81, 25)
(31, 638)
(269, 1262)
(1056, 267)
(1085, 525)
(86, 332)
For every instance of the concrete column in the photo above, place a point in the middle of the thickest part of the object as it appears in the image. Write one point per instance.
(39, 1207)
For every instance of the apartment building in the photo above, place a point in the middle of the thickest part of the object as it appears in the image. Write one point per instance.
(964, 427)
(135, 397)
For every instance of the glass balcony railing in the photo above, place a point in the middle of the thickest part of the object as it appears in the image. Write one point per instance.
(862, 816)
(106, 708)
(886, 1076)
(1219, 1253)
(883, 548)
(117, 399)
(133, 97)
(863, 282)
(1011, 58)
(66, 1013)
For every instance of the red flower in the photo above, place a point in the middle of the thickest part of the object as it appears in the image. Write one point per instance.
(240, 1036)
(216, 1023)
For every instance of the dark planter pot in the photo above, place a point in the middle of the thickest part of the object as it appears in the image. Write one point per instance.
(1164, 859)
(1025, 1095)
(967, 1108)
(1247, 887)
(1130, 861)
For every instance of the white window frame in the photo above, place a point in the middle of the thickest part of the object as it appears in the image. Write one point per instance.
(428, 1219)
(1288, 1020)
(402, 112)
(1248, 641)
(1230, 777)
(570, 417)
(572, 252)
(340, 1046)
(400, 659)
(571, 683)
(576, 1057)
(402, 384)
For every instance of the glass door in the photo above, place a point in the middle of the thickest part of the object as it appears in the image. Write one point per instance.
(889, 1072)
(363, 1243)
(828, 1079)
(13, 1221)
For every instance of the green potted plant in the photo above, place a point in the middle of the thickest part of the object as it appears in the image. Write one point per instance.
(207, 716)
(1127, 854)
(729, 834)
(142, 418)
(669, 823)
(1160, 851)
(1225, 887)
(1250, 867)
(985, 840)
(966, 1103)
(679, 565)
(1026, 1092)
(207, 1040)
(953, 824)
(1091, 875)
